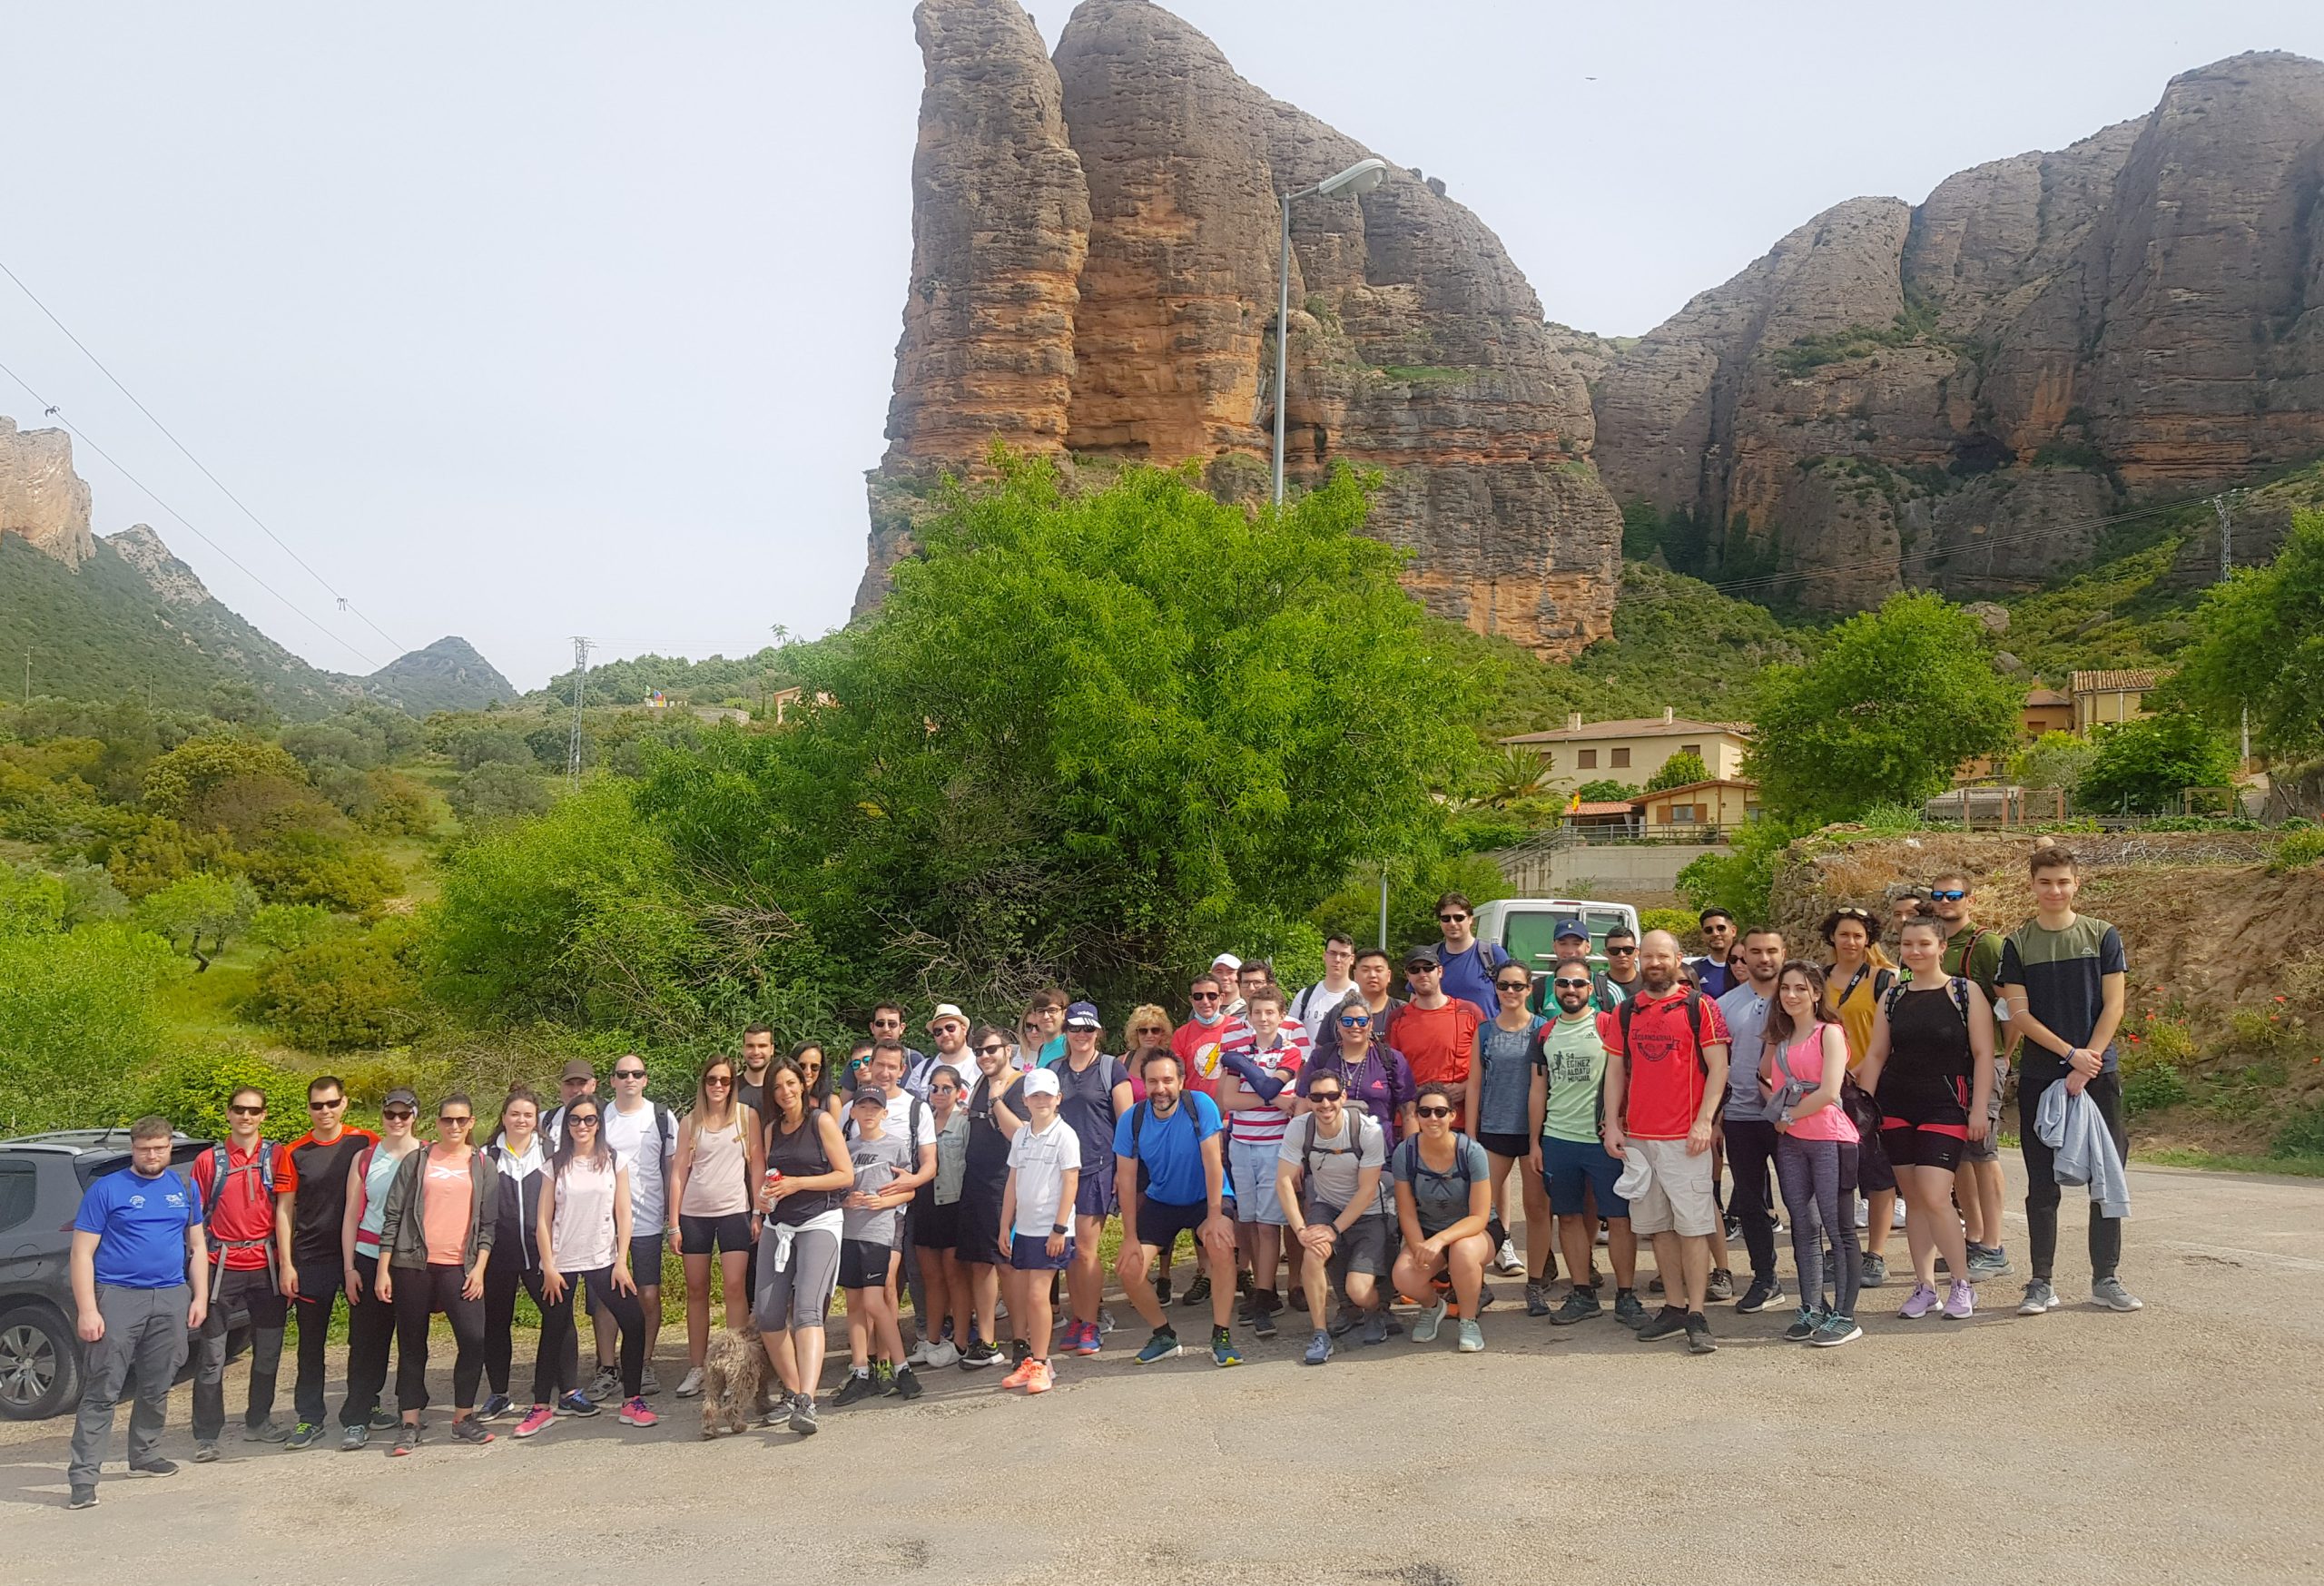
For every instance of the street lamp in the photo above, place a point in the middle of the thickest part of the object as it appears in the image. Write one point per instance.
(1355, 182)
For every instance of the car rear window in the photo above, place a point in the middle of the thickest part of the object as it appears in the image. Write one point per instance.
(19, 1189)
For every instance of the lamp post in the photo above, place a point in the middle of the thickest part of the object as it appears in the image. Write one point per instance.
(1355, 181)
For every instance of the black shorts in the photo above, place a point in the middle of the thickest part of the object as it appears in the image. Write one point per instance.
(646, 1259)
(1909, 1145)
(935, 1227)
(730, 1232)
(978, 1241)
(1873, 1173)
(863, 1263)
(1517, 1145)
(1159, 1222)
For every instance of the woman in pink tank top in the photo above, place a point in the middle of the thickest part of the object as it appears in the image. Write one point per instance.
(1803, 1065)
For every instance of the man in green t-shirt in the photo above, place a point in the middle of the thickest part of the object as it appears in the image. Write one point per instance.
(1567, 1107)
(1975, 953)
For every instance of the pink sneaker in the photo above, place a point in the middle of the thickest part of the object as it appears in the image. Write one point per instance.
(635, 1413)
(542, 1415)
(1919, 1303)
(1960, 1300)
(1086, 1341)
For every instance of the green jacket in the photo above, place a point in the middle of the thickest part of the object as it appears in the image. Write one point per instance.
(403, 1236)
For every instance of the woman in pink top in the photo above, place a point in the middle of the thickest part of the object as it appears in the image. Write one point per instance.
(1804, 1061)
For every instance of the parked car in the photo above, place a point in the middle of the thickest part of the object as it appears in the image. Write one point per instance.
(41, 1180)
(1527, 928)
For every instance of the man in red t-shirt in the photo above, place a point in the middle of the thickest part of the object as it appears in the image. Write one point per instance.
(1198, 1040)
(1666, 1073)
(239, 1179)
(1437, 1033)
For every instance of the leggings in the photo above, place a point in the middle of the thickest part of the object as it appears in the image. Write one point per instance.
(1819, 1189)
(500, 1286)
(799, 1296)
(370, 1330)
(419, 1293)
(1750, 1147)
(2041, 1071)
(560, 1342)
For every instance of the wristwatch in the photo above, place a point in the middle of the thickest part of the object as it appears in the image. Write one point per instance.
(1057, 1227)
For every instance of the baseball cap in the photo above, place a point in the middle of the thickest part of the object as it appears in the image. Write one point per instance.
(400, 1097)
(1228, 959)
(1424, 954)
(1572, 930)
(866, 1096)
(578, 1069)
(945, 1010)
(1041, 1082)
(1083, 1016)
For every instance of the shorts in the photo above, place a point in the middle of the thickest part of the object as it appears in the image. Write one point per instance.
(730, 1231)
(799, 1295)
(1681, 1199)
(1367, 1246)
(863, 1263)
(1517, 1145)
(977, 1240)
(1989, 1149)
(1874, 1175)
(934, 1227)
(1095, 1198)
(1910, 1145)
(1572, 1169)
(1030, 1253)
(645, 1256)
(1253, 1165)
(1159, 1224)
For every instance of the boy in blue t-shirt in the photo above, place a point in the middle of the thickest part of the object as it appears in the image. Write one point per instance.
(1170, 1178)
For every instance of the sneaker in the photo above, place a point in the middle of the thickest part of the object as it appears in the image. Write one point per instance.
(1222, 1348)
(1019, 1375)
(945, 1354)
(777, 1412)
(1019, 1352)
(1162, 1289)
(1376, 1326)
(1722, 1285)
(536, 1419)
(468, 1429)
(407, 1442)
(1986, 1261)
(606, 1385)
(1960, 1300)
(1581, 1306)
(155, 1466)
(633, 1413)
(577, 1403)
(884, 1377)
(1896, 1216)
(1473, 1337)
(1043, 1378)
(1105, 1323)
(1197, 1291)
(647, 1382)
(1263, 1317)
(1602, 1234)
(353, 1437)
(1764, 1292)
(1163, 1345)
(84, 1496)
(1506, 1261)
(1734, 1229)
(1863, 1214)
(856, 1389)
(205, 1453)
(1629, 1309)
(1698, 1338)
(1430, 1318)
(1655, 1287)
(267, 1431)
(689, 1384)
(2109, 1292)
(1875, 1273)
(917, 1358)
(1345, 1320)
(1537, 1298)
(977, 1355)
(306, 1434)
(1319, 1349)
(2039, 1298)
(383, 1420)
(1917, 1304)
(1836, 1330)
(802, 1415)
(1803, 1325)
(1666, 1322)
(905, 1386)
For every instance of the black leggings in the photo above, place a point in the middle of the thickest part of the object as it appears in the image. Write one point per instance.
(370, 1330)
(500, 1286)
(2040, 1071)
(560, 1337)
(1751, 1150)
(420, 1292)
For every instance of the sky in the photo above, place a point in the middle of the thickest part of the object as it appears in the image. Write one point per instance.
(524, 321)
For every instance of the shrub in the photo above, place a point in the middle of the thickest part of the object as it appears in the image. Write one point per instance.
(312, 867)
(1744, 881)
(283, 926)
(1678, 770)
(2302, 1133)
(1676, 922)
(2301, 848)
(1605, 790)
(78, 1014)
(499, 790)
(2153, 1089)
(192, 1091)
(348, 991)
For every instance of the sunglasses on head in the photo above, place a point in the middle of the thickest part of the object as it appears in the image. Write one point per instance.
(1949, 894)
(1434, 1111)
(1449, 918)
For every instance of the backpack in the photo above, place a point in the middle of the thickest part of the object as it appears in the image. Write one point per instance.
(220, 1173)
(1958, 984)
(1409, 1150)
(1144, 1110)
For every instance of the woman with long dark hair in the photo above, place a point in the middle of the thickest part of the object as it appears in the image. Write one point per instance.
(823, 1095)
(721, 1154)
(583, 1229)
(436, 1240)
(808, 1173)
(936, 1225)
(1803, 1063)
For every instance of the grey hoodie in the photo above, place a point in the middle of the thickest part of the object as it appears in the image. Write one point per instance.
(2070, 1125)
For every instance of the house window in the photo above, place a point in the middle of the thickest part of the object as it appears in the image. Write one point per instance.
(1694, 749)
(1621, 759)
(1682, 815)
(1549, 760)
(1586, 759)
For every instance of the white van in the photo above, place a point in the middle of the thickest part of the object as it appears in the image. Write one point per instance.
(1527, 927)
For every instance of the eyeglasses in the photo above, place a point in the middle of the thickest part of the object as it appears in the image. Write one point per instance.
(326, 1106)
(1449, 918)
(1572, 985)
(629, 1073)
(1323, 1097)
(1434, 1111)
(247, 1111)
(581, 1120)
(1949, 894)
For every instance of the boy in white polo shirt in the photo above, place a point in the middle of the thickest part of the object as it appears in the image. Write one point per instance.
(1044, 1177)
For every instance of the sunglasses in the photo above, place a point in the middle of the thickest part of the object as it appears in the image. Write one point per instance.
(326, 1106)
(247, 1111)
(629, 1073)
(996, 1049)
(1323, 1097)
(1611, 948)
(1203, 996)
(1354, 1020)
(462, 1121)
(1411, 970)
(1434, 1111)
(1449, 918)
(1949, 894)
(399, 1114)
(718, 1079)
(1572, 985)
(582, 1120)
(1511, 985)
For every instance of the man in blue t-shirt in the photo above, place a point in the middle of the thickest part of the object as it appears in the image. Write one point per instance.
(1169, 1178)
(1469, 963)
(136, 1236)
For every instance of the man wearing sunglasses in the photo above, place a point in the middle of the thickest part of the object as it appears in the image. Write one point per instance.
(1468, 964)
(1745, 1130)
(1976, 954)
(1437, 1033)
(644, 1136)
(1717, 973)
(309, 1212)
(239, 1179)
(1565, 1105)
(1327, 1178)
(1198, 1040)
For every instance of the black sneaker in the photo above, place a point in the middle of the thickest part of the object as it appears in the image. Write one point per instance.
(977, 1354)
(468, 1429)
(1162, 1289)
(1537, 1298)
(382, 1420)
(905, 1385)
(1346, 1321)
(1197, 1291)
(1580, 1306)
(84, 1496)
(155, 1466)
(1655, 1287)
(1263, 1308)
(1629, 1309)
(1698, 1338)
(1666, 1322)
(1764, 1292)
(858, 1386)
(802, 1415)
(1721, 1285)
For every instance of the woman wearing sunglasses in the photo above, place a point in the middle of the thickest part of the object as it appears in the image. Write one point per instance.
(1373, 1073)
(935, 1225)
(1443, 1200)
(436, 1237)
(1501, 1075)
(583, 1229)
(370, 1319)
(720, 1155)
(808, 1171)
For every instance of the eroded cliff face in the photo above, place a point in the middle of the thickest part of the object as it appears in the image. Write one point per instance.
(42, 499)
(1953, 394)
(1416, 347)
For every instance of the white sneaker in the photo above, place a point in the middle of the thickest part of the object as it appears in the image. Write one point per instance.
(1507, 1263)
(942, 1355)
(918, 1358)
(1897, 1215)
(606, 1385)
(1863, 1214)
(690, 1383)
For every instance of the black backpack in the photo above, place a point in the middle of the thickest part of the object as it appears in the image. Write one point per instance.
(1958, 984)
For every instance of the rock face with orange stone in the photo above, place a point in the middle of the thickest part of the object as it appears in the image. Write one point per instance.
(42, 499)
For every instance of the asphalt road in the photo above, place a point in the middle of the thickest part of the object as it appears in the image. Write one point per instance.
(2178, 1444)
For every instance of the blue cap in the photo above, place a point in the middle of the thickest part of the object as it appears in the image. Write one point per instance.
(1572, 930)
(1083, 1016)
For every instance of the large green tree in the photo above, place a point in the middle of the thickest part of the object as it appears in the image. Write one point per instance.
(1894, 702)
(2142, 766)
(2260, 642)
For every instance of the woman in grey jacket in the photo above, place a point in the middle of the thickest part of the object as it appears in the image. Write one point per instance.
(436, 1240)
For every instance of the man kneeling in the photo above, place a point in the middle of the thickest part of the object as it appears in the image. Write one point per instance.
(1327, 1178)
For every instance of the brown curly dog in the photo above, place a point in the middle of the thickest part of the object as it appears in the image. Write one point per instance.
(736, 1379)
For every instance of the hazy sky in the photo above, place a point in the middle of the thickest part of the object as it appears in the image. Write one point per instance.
(524, 321)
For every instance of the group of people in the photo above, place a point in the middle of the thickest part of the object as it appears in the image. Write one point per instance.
(1324, 1152)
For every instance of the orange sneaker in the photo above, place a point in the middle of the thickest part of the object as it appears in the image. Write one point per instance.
(1043, 1379)
(1022, 1375)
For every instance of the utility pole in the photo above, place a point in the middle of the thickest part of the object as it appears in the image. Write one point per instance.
(581, 649)
(2222, 508)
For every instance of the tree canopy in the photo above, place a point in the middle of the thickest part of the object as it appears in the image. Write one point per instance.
(2142, 766)
(2260, 642)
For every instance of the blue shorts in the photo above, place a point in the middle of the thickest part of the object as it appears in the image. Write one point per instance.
(1095, 1198)
(1569, 1166)
(1030, 1253)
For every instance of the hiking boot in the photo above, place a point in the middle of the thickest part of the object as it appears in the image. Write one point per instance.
(306, 1434)
(1722, 1285)
(1319, 1349)
(1197, 1291)
(1430, 1318)
(802, 1415)
(905, 1386)
(535, 1420)
(1698, 1338)
(689, 1384)
(84, 1496)
(577, 1403)
(1580, 1306)
(1163, 1345)
(1629, 1309)
(1668, 1322)
(492, 1409)
(633, 1413)
(1222, 1348)
(1537, 1298)
(858, 1387)
(1473, 1337)
(1836, 1330)
(1764, 1292)
(1917, 1304)
(468, 1429)
(1376, 1326)
(154, 1466)
(353, 1437)
(1803, 1327)
(1874, 1272)
(1960, 1300)
(2039, 1298)
(407, 1442)
(2109, 1292)
(205, 1453)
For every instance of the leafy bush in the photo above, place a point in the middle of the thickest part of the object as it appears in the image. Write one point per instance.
(2302, 1134)
(498, 791)
(283, 926)
(192, 1091)
(1678, 923)
(199, 908)
(344, 991)
(2052, 760)
(194, 771)
(2153, 1089)
(2301, 848)
(1678, 770)
(1605, 790)
(1892, 820)
(2141, 766)
(78, 1010)
(314, 867)
(1742, 882)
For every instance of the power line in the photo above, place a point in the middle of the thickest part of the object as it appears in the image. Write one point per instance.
(83, 437)
(344, 604)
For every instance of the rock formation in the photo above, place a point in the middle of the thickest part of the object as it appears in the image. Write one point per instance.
(41, 497)
(1094, 260)
(1954, 394)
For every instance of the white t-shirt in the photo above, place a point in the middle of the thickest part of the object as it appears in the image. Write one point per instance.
(1314, 1001)
(637, 1142)
(899, 1110)
(1041, 1160)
